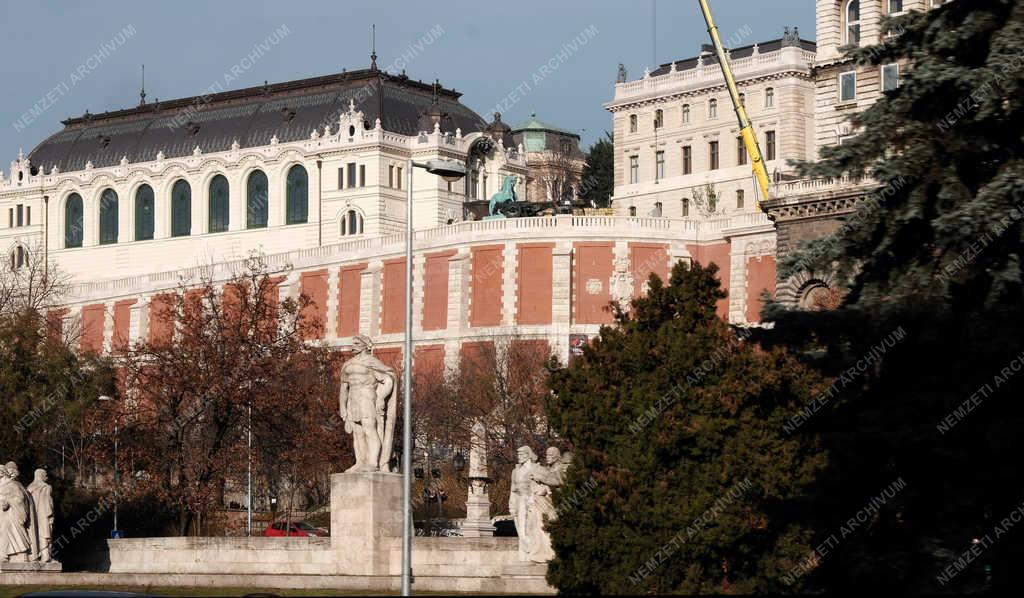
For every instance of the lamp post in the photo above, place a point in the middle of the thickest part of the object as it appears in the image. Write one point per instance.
(450, 171)
(117, 473)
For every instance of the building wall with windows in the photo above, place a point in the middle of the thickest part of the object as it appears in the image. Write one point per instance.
(676, 131)
(133, 203)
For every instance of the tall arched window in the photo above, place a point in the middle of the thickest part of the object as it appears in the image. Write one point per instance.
(181, 209)
(686, 113)
(769, 97)
(19, 257)
(852, 15)
(144, 213)
(352, 223)
(220, 201)
(108, 217)
(297, 196)
(73, 224)
(712, 108)
(257, 200)
(659, 118)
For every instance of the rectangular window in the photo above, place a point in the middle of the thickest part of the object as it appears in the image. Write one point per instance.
(474, 185)
(10, 217)
(659, 118)
(659, 162)
(686, 207)
(28, 215)
(341, 179)
(890, 77)
(399, 178)
(351, 174)
(634, 169)
(713, 155)
(687, 159)
(769, 145)
(741, 152)
(632, 123)
(362, 175)
(21, 215)
(895, 7)
(848, 86)
(740, 199)
(391, 176)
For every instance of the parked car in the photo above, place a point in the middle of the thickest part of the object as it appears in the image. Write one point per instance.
(299, 529)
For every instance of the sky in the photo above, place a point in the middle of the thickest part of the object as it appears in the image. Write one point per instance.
(63, 58)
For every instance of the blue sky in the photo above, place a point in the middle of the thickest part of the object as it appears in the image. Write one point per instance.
(485, 50)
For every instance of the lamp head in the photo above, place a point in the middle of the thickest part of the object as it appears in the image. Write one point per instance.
(448, 170)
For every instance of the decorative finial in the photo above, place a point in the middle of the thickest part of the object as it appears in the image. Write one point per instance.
(21, 154)
(124, 160)
(373, 47)
(274, 140)
(235, 146)
(142, 91)
(196, 151)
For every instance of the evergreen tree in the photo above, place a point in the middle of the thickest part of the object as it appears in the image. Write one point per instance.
(683, 480)
(934, 255)
(599, 172)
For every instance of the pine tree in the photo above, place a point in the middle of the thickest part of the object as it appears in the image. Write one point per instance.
(684, 479)
(599, 172)
(932, 258)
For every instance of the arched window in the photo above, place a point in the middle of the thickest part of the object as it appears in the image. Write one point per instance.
(740, 199)
(352, 223)
(686, 113)
(632, 123)
(769, 97)
(19, 257)
(108, 217)
(297, 196)
(712, 108)
(743, 100)
(257, 200)
(73, 224)
(220, 201)
(181, 209)
(144, 213)
(852, 14)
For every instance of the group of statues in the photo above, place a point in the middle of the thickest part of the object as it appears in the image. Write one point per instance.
(26, 517)
(530, 500)
(368, 405)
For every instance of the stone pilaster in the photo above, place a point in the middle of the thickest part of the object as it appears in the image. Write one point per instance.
(333, 302)
(458, 290)
(508, 285)
(369, 299)
(419, 275)
(561, 280)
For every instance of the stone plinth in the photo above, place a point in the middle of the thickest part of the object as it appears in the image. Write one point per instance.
(478, 517)
(366, 523)
(32, 566)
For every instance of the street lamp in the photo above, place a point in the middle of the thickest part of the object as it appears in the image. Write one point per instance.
(117, 474)
(450, 171)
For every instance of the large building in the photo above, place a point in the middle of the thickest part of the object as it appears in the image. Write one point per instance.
(678, 153)
(313, 175)
(806, 209)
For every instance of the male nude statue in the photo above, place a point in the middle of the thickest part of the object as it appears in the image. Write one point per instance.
(368, 407)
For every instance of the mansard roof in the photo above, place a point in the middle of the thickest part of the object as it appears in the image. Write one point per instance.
(252, 116)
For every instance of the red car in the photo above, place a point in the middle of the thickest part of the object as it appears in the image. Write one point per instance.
(297, 529)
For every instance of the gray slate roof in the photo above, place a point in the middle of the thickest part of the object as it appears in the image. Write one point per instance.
(252, 116)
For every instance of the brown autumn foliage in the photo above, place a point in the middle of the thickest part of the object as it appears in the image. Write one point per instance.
(502, 383)
(237, 359)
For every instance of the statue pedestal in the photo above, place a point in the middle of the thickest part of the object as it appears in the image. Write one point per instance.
(366, 523)
(478, 517)
(30, 566)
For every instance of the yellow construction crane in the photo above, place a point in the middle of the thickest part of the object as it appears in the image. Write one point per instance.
(746, 127)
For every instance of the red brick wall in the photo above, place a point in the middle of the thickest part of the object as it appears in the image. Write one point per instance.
(92, 328)
(485, 298)
(717, 254)
(393, 308)
(161, 319)
(391, 356)
(314, 286)
(760, 277)
(534, 283)
(435, 291)
(593, 262)
(428, 364)
(645, 259)
(122, 325)
(55, 323)
(349, 291)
